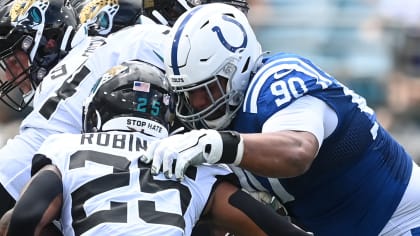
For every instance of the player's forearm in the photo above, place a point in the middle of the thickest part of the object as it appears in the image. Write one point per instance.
(241, 214)
(4, 223)
(279, 154)
(270, 222)
(276, 154)
(38, 205)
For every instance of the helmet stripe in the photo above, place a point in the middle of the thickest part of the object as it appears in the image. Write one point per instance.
(175, 42)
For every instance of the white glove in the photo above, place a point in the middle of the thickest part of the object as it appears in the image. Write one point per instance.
(194, 148)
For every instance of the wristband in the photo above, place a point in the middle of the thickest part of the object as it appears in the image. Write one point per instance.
(233, 147)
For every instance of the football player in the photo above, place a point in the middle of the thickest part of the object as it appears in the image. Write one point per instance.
(96, 185)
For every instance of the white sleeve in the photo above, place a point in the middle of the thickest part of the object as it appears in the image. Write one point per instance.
(308, 114)
(16, 159)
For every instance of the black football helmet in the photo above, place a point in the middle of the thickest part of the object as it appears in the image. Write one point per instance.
(40, 29)
(168, 11)
(103, 17)
(240, 4)
(133, 96)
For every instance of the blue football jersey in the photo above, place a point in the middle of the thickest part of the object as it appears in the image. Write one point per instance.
(360, 173)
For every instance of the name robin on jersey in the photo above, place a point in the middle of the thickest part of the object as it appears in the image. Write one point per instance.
(119, 141)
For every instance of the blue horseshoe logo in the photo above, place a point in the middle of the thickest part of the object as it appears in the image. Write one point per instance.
(175, 43)
(222, 37)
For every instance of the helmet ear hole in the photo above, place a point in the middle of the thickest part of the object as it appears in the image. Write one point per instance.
(235, 98)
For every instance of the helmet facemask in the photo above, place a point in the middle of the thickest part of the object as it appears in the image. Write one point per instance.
(16, 85)
(42, 31)
(220, 111)
(223, 100)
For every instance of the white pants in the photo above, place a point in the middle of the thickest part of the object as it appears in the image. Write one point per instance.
(406, 219)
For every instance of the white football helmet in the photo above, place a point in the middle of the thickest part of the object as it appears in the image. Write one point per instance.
(209, 43)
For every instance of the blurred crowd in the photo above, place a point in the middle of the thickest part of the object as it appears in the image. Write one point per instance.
(373, 46)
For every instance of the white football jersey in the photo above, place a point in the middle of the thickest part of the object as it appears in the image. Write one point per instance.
(59, 98)
(108, 191)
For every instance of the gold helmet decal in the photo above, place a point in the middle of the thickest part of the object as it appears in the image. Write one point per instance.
(31, 12)
(92, 9)
(99, 14)
(113, 72)
(148, 3)
(109, 74)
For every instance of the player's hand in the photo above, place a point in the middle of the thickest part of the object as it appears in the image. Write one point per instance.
(162, 153)
(194, 148)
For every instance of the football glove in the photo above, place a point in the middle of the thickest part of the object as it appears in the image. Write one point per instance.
(193, 148)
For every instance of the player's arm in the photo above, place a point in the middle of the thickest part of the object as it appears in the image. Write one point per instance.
(38, 205)
(286, 147)
(4, 222)
(237, 212)
(279, 153)
(290, 139)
